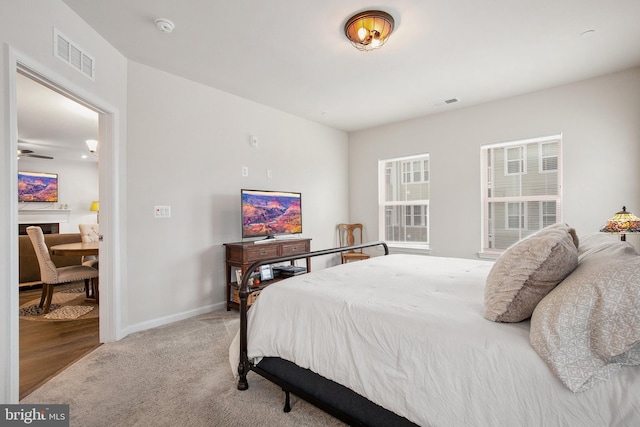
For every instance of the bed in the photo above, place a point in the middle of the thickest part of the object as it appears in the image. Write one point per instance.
(407, 340)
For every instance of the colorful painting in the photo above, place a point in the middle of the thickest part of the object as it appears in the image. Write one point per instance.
(37, 187)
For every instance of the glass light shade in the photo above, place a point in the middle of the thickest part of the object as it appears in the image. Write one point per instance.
(95, 206)
(369, 30)
(92, 144)
(362, 33)
(622, 222)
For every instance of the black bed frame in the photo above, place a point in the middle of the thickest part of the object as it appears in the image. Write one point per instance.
(331, 397)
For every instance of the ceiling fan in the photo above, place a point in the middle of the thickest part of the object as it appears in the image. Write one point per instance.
(30, 153)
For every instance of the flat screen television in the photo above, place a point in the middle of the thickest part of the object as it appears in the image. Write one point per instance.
(37, 187)
(270, 213)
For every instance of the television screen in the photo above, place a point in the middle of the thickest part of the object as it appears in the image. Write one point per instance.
(268, 213)
(37, 187)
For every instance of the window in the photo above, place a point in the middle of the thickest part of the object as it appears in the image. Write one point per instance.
(404, 201)
(548, 157)
(515, 216)
(415, 171)
(521, 190)
(514, 160)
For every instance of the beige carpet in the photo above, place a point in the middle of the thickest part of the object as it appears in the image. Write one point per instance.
(175, 375)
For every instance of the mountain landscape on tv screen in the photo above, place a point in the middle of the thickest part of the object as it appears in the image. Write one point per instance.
(266, 215)
(35, 188)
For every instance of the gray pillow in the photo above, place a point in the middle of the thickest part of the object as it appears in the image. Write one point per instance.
(527, 271)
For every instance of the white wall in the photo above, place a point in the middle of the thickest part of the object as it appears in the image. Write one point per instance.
(187, 146)
(77, 188)
(599, 119)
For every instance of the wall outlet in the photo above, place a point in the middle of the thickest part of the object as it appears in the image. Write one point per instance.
(162, 211)
(245, 171)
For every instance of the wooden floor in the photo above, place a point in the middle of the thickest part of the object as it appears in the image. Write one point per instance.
(47, 348)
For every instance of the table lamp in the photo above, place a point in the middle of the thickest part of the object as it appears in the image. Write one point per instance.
(622, 222)
(95, 207)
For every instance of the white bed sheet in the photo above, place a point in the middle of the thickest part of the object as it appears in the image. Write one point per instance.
(407, 332)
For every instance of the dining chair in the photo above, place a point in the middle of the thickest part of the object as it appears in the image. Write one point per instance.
(90, 233)
(50, 275)
(348, 235)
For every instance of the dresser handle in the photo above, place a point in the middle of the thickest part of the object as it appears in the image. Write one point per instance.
(263, 253)
(295, 248)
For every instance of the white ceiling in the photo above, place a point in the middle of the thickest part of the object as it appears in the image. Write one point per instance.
(51, 124)
(293, 55)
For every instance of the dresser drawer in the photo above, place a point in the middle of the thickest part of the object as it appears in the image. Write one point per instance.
(294, 248)
(258, 253)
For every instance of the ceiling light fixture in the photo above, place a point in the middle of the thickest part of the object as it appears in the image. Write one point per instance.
(165, 25)
(369, 30)
(92, 144)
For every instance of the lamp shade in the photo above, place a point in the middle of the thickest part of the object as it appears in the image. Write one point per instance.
(369, 30)
(92, 145)
(95, 206)
(622, 222)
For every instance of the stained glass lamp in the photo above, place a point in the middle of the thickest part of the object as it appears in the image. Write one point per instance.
(623, 223)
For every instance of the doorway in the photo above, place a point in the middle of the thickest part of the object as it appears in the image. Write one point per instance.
(111, 278)
(52, 130)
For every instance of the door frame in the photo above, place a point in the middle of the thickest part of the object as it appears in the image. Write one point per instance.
(109, 193)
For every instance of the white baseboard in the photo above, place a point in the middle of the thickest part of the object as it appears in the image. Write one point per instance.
(150, 324)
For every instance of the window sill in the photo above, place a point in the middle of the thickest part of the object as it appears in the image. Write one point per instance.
(492, 256)
(409, 249)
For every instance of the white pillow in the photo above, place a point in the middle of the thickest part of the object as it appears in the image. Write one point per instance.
(588, 327)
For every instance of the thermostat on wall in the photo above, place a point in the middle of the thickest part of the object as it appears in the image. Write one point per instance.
(162, 211)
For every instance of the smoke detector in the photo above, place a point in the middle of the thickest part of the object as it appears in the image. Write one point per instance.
(164, 25)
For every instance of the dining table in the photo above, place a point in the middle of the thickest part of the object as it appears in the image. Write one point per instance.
(82, 249)
(76, 248)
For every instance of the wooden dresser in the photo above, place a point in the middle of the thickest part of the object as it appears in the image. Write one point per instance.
(240, 255)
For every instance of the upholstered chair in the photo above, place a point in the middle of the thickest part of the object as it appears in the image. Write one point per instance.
(90, 233)
(50, 275)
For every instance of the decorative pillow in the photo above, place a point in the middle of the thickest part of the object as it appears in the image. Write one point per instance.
(588, 327)
(596, 244)
(527, 271)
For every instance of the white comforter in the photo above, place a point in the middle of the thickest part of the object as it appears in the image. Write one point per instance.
(407, 332)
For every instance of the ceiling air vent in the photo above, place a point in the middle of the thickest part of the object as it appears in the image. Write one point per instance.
(446, 101)
(69, 52)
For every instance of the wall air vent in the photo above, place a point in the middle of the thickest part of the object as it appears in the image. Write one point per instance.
(69, 52)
